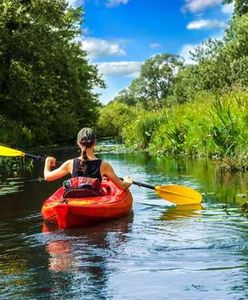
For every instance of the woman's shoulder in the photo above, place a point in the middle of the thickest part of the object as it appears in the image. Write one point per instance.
(105, 165)
(68, 161)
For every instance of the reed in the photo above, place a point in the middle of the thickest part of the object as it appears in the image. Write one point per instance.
(211, 125)
(15, 166)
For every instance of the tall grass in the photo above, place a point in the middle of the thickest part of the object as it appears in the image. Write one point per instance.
(14, 166)
(212, 125)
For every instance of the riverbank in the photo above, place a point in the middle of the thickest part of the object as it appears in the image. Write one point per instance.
(211, 125)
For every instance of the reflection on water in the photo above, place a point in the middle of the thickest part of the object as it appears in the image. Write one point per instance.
(187, 211)
(158, 252)
(62, 247)
(11, 186)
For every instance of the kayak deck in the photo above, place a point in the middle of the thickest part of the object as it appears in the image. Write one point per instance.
(72, 212)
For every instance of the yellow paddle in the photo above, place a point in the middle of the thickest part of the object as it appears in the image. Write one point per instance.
(5, 151)
(177, 194)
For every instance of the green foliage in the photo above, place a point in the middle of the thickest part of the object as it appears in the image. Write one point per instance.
(240, 6)
(211, 125)
(225, 131)
(139, 132)
(220, 65)
(46, 81)
(153, 85)
(215, 126)
(14, 166)
(186, 85)
(125, 97)
(113, 117)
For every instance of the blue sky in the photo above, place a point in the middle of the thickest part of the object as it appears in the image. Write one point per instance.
(120, 35)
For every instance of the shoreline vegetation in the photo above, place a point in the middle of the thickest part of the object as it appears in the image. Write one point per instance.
(211, 126)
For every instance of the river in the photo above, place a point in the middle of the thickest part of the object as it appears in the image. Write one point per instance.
(157, 252)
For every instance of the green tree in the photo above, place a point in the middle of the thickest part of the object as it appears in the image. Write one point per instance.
(220, 65)
(125, 97)
(156, 79)
(185, 86)
(240, 6)
(46, 82)
(113, 117)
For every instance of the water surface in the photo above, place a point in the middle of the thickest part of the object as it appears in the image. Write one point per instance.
(157, 252)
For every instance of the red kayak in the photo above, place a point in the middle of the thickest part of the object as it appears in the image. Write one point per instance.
(73, 212)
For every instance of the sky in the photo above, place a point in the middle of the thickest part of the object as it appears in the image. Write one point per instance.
(120, 35)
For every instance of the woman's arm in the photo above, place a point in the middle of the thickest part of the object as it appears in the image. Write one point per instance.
(63, 170)
(107, 170)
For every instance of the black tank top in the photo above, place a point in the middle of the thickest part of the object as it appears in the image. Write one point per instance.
(92, 168)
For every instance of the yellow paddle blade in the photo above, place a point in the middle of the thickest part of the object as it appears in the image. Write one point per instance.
(180, 195)
(5, 151)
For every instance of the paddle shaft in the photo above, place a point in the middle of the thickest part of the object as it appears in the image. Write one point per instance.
(38, 157)
(149, 186)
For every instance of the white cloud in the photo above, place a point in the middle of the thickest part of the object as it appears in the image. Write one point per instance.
(124, 68)
(155, 45)
(114, 3)
(99, 48)
(228, 8)
(75, 3)
(205, 24)
(185, 53)
(196, 6)
(108, 3)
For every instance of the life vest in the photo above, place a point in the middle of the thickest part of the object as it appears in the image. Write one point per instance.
(79, 187)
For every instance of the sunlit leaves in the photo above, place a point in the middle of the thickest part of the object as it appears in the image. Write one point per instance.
(46, 81)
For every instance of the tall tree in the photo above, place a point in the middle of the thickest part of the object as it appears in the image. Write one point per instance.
(156, 78)
(240, 6)
(46, 82)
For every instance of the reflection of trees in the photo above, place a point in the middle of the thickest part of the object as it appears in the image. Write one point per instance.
(22, 259)
(224, 187)
(199, 173)
(82, 255)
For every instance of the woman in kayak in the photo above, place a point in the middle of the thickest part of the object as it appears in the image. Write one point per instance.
(87, 165)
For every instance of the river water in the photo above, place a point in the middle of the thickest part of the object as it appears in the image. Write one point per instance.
(157, 252)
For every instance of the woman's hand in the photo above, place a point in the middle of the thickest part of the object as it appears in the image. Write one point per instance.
(128, 179)
(50, 162)
(63, 170)
(107, 170)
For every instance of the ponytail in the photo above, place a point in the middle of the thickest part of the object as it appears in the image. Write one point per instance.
(85, 138)
(83, 164)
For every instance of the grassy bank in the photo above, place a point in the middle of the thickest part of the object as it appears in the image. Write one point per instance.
(212, 125)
